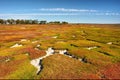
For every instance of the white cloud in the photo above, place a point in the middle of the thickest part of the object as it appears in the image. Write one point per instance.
(112, 14)
(66, 10)
(107, 14)
(39, 14)
(27, 15)
(59, 9)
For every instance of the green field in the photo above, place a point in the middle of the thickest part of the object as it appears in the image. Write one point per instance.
(103, 59)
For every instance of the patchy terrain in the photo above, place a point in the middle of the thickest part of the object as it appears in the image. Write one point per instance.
(97, 45)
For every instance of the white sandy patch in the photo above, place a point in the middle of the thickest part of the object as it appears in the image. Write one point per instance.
(73, 36)
(38, 45)
(89, 48)
(22, 40)
(16, 45)
(36, 62)
(54, 37)
(34, 41)
(62, 51)
(7, 60)
(109, 43)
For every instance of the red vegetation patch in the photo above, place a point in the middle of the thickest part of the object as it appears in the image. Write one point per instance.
(8, 67)
(3, 58)
(33, 52)
(112, 71)
(37, 54)
(89, 76)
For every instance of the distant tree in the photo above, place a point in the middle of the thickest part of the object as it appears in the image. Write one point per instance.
(51, 22)
(13, 21)
(64, 22)
(27, 22)
(43, 22)
(9, 21)
(22, 21)
(1, 21)
(17, 21)
(55, 22)
(34, 21)
(30, 21)
(4, 21)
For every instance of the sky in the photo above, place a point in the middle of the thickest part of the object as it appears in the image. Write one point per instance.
(72, 11)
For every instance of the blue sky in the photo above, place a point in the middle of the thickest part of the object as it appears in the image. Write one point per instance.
(73, 11)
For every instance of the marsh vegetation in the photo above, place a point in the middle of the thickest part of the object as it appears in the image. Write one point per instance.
(96, 45)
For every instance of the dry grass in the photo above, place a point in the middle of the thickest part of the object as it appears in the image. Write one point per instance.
(59, 66)
(8, 67)
(111, 71)
(62, 67)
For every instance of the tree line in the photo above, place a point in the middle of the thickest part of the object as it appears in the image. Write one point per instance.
(22, 21)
